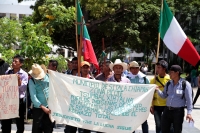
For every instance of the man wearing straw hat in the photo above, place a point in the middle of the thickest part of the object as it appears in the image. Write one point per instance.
(118, 67)
(137, 77)
(22, 83)
(39, 92)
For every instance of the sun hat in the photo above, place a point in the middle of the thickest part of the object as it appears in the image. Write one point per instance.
(133, 64)
(118, 62)
(44, 68)
(85, 63)
(37, 72)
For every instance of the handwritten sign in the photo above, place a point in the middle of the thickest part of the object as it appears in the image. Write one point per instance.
(98, 106)
(9, 97)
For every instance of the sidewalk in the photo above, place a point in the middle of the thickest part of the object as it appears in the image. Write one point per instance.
(186, 128)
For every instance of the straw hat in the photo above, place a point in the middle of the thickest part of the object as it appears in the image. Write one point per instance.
(44, 68)
(118, 62)
(133, 64)
(37, 72)
(85, 63)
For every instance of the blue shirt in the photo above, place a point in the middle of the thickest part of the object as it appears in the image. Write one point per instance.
(175, 93)
(39, 91)
(24, 79)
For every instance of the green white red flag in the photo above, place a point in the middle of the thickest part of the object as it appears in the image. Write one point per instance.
(88, 51)
(174, 37)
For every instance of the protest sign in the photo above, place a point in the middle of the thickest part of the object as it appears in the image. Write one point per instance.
(98, 106)
(9, 96)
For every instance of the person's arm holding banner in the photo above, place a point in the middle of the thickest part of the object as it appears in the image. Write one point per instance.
(22, 82)
(163, 93)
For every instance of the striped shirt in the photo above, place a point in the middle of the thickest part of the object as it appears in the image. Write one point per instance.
(175, 93)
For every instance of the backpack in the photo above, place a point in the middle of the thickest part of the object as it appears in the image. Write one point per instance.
(183, 87)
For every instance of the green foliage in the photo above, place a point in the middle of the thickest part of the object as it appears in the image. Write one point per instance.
(123, 23)
(10, 33)
(34, 45)
(61, 63)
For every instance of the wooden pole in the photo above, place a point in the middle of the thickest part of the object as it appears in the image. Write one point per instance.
(158, 48)
(80, 47)
(76, 25)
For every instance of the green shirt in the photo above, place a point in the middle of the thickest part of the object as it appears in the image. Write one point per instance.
(39, 91)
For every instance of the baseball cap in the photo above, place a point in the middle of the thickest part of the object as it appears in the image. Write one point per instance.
(85, 63)
(163, 63)
(176, 68)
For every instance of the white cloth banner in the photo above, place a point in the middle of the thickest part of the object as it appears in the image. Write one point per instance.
(9, 96)
(99, 106)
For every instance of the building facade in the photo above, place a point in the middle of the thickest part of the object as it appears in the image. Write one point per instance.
(15, 10)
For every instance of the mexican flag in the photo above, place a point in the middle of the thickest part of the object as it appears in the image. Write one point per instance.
(174, 37)
(88, 51)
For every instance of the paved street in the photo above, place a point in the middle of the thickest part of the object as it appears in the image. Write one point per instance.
(186, 128)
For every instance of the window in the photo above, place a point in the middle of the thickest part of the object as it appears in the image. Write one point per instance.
(2, 15)
(13, 16)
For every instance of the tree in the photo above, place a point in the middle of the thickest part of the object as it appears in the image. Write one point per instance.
(123, 23)
(124, 17)
(10, 33)
(35, 44)
(10, 36)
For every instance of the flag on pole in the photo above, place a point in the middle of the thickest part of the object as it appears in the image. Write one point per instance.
(174, 37)
(88, 51)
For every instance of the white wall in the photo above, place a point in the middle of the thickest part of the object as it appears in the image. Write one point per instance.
(12, 6)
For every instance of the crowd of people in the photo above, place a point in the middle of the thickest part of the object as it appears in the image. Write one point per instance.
(172, 94)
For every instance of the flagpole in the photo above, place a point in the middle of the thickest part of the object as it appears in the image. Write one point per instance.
(80, 47)
(76, 23)
(158, 48)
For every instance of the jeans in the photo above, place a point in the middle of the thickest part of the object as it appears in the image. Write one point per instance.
(41, 122)
(196, 96)
(6, 124)
(193, 82)
(175, 116)
(145, 127)
(158, 110)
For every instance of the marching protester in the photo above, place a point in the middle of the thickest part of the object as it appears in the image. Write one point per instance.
(85, 70)
(74, 71)
(137, 77)
(106, 72)
(39, 92)
(118, 67)
(74, 67)
(178, 93)
(158, 103)
(85, 73)
(3, 65)
(69, 66)
(198, 91)
(22, 83)
(193, 77)
(53, 65)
